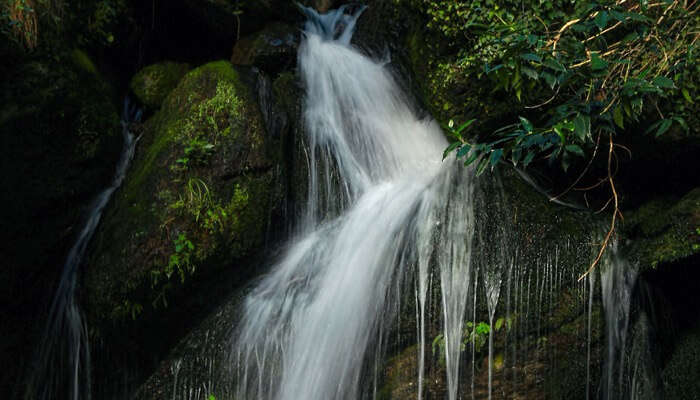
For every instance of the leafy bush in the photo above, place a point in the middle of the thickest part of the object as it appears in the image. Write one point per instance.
(600, 67)
(576, 75)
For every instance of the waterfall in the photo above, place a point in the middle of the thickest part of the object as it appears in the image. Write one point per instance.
(381, 204)
(63, 357)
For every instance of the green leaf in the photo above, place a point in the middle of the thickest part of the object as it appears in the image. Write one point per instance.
(550, 79)
(682, 123)
(601, 20)
(554, 64)
(598, 63)
(495, 156)
(528, 158)
(575, 149)
(686, 95)
(558, 130)
(663, 82)
(482, 166)
(499, 323)
(617, 117)
(472, 157)
(449, 149)
(617, 15)
(526, 124)
(463, 151)
(529, 72)
(582, 126)
(482, 328)
(663, 127)
(465, 125)
(531, 57)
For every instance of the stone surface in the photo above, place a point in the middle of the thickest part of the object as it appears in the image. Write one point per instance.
(272, 49)
(153, 83)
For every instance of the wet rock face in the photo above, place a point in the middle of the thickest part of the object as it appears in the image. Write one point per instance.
(272, 49)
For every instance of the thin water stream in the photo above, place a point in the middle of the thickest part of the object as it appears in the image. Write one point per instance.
(63, 357)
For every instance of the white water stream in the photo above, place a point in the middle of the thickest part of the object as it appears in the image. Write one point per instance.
(381, 204)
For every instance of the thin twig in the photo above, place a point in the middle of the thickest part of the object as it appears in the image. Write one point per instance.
(616, 211)
(595, 150)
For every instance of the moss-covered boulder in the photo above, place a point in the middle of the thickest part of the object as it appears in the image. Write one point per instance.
(664, 230)
(272, 49)
(153, 83)
(197, 200)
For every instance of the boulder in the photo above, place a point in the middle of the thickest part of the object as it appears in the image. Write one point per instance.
(153, 83)
(196, 201)
(272, 49)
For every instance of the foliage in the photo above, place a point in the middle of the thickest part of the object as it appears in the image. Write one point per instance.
(607, 65)
(475, 334)
(209, 120)
(33, 23)
(572, 74)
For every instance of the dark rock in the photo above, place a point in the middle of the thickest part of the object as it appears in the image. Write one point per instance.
(272, 49)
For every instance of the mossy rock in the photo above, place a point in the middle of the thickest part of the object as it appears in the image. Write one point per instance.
(153, 83)
(664, 230)
(447, 92)
(272, 49)
(197, 200)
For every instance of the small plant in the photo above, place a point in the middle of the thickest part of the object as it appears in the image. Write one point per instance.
(197, 152)
(180, 261)
(476, 334)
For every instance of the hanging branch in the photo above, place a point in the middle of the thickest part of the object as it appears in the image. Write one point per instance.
(616, 211)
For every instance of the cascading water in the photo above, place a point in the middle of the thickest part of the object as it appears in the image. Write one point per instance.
(63, 358)
(380, 202)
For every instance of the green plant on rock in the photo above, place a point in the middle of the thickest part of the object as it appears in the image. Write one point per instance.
(475, 334)
(180, 262)
(130, 308)
(208, 121)
(197, 152)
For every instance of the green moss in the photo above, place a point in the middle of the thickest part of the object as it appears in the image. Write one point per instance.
(153, 83)
(665, 230)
